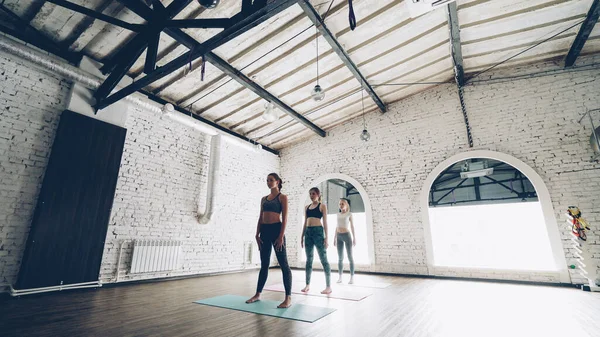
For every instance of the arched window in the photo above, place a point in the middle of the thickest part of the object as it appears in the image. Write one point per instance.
(487, 210)
(336, 186)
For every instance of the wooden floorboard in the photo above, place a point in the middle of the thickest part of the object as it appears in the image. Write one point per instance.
(409, 307)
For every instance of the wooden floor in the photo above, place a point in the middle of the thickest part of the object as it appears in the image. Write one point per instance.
(409, 307)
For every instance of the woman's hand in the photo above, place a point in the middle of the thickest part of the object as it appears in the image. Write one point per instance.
(279, 243)
(258, 241)
(335, 241)
(325, 243)
(354, 242)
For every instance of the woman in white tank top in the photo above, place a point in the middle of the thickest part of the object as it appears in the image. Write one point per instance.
(345, 227)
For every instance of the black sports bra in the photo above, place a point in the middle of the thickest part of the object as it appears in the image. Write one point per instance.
(272, 205)
(315, 212)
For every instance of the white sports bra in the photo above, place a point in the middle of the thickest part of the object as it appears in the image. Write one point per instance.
(343, 219)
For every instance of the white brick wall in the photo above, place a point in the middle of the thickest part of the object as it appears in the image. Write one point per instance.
(164, 168)
(534, 120)
(30, 103)
(163, 171)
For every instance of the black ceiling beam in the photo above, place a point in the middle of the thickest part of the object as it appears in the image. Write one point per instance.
(25, 32)
(119, 56)
(158, 5)
(132, 52)
(457, 60)
(316, 19)
(242, 79)
(242, 26)
(97, 15)
(134, 49)
(257, 89)
(239, 19)
(200, 23)
(34, 39)
(154, 37)
(246, 6)
(455, 45)
(583, 34)
(152, 53)
(84, 25)
(204, 120)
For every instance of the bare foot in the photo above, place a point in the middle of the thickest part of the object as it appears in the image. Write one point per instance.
(306, 289)
(254, 298)
(351, 280)
(326, 291)
(286, 303)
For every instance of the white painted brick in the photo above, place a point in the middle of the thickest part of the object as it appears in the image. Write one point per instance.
(164, 165)
(162, 175)
(30, 103)
(533, 119)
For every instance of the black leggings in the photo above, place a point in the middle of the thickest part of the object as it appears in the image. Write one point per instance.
(268, 235)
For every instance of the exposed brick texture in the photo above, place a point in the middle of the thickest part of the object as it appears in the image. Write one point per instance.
(163, 174)
(30, 104)
(164, 168)
(534, 120)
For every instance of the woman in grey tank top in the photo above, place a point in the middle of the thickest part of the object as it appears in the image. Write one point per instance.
(345, 226)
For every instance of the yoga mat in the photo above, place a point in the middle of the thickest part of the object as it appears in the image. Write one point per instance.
(357, 283)
(297, 312)
(342, 293)
(366, 284)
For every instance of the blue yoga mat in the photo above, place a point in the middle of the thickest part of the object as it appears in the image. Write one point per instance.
(297, 312)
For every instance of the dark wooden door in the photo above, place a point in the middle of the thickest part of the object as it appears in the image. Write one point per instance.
(68, 229)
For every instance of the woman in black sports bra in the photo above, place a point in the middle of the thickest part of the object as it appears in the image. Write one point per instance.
(270, 232)
(314, 234)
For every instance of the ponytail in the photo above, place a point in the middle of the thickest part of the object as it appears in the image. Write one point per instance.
(279, 181)
(316, 190)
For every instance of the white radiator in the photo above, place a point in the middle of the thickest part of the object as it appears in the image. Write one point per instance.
(154, 255)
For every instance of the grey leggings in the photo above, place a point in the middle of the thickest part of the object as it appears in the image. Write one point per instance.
(315, 236)
(344, 238)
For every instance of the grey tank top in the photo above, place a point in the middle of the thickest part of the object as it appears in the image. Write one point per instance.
(272, 205)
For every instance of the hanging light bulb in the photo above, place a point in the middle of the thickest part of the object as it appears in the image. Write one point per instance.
(317, 93)
(364, 135)
(168, 108)
(269, 115)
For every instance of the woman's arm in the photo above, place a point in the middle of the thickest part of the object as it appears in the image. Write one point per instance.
(352, 230)
(324, 211)
(258, 240)
(284, 212)
(304, 227)
(335, 234)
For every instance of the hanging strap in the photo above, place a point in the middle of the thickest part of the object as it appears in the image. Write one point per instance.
(351, 16)
(189, 68)
(203, 68)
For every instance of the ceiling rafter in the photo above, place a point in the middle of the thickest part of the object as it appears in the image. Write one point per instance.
(36, 38)
(316, 19)
(240, 23)
(583, 34)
